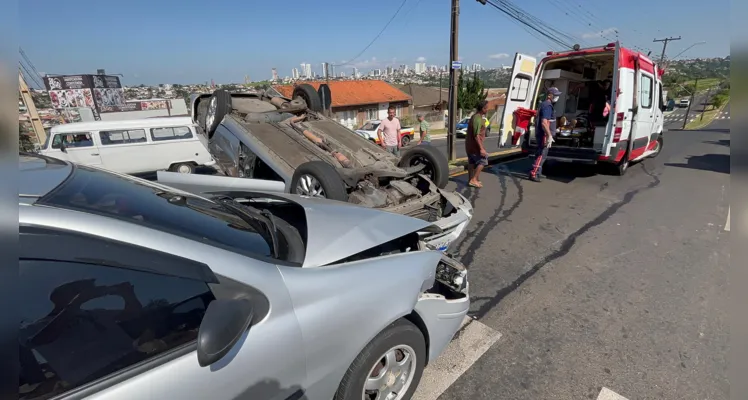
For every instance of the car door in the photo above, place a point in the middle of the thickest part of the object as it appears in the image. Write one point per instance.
(77, 147)
(520, 94)
(220, 147)
(644, 118)
(104, 319)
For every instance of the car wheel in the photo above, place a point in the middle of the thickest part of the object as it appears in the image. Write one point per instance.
(657, 148)
(389, 367)
(309, 95)
(405, 141)
(437, 167)
(183, 168)
(219, 106)
(318, 179)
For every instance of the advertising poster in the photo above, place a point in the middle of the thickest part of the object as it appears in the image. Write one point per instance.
(101, 93)
(72, 98)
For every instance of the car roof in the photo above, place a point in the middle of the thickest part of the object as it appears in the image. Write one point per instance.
(39, 174)
(121, 124)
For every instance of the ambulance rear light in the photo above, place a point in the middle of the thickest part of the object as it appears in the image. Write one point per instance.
(610, 45)
(550, 53)
(618, 127)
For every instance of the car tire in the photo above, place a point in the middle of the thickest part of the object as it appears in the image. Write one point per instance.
(183, 168)
(437, 166)
(620, 168)
(309, 95)
(405, 141)
(658, 149)
(219, 105)
(312, 176)
(402, 339)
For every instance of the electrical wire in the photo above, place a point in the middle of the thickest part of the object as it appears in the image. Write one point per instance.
(504, 7)
(349, 62)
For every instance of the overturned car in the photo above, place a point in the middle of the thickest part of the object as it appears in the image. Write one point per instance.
(267, 142)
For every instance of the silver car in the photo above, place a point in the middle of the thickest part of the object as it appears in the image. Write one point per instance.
(130, 289)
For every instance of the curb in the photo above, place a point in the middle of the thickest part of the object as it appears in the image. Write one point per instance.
(459, 165)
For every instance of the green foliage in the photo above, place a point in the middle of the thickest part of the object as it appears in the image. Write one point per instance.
(470, 92)
(25, 143)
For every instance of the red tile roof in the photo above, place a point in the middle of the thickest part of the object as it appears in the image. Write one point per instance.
(355, 93)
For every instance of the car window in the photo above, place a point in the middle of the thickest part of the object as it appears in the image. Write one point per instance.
(171, 133)
(72, 140)
(81, 322)
(370, 126)
(136, 201)
(122, 136)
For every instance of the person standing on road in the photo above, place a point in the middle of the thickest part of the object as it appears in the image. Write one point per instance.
(476, 152)
(423, 130)
(543, 133)
(389, 132)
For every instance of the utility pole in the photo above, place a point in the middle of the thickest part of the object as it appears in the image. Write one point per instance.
(706, 102)
(664, 45)
(451, 151)
(36, 122)
(688, 110)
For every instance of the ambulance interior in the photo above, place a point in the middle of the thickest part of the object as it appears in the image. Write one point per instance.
(586, 84)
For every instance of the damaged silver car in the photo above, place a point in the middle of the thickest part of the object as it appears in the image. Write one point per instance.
(130, 289)
(290, 142)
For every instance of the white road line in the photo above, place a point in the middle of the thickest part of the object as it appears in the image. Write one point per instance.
(607, 394)
(474, 339)
(727, 224)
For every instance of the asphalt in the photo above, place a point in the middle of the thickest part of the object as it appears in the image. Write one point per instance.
(601, 284)
(440, 142)
(674, 119)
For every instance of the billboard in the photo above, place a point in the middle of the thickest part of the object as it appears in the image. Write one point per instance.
(102, 93)
(145, 105)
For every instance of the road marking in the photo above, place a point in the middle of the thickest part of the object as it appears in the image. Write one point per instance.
(727, 224)
(607, 394)
(473, 340)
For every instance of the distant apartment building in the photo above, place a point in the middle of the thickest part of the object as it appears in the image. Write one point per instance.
(275, 74)
(306, 70)
(420, 68)
(324, 70)
(295, 73)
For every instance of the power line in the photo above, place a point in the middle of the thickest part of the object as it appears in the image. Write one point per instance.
(517, 15)
(348, 62)
(25, 57)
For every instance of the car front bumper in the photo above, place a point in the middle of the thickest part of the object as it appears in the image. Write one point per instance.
(443, 318)
(454, 225)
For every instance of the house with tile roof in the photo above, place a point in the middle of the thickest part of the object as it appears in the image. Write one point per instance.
(356, 101)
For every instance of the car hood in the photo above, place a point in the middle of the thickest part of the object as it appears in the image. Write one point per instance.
(337, 230)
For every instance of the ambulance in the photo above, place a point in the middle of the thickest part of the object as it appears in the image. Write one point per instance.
(626, 83)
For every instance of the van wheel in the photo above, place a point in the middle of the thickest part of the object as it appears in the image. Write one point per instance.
(318, 179)
(219, 106)
(658, 148)
(389, 367)
(183, 168)
(405, 141)
(623, 166)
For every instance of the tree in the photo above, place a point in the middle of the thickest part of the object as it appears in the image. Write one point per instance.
(470, 92)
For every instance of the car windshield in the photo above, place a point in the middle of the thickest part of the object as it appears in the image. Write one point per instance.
(464, 121)
(95, 191)
(370, 126)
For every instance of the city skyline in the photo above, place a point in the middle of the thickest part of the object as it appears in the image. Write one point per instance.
(140, 56)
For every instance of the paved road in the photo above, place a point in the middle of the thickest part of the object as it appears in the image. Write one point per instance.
(674, 119)
(585, 285)
(440, 142)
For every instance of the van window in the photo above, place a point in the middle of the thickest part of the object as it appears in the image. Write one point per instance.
(71, 140)
(122, 137)
(659, 94)
(520, 89)
(177, 132)
(645, 92)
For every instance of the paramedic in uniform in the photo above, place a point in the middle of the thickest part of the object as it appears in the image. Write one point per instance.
(545, 123)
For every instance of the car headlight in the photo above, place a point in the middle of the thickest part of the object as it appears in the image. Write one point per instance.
(452, 273)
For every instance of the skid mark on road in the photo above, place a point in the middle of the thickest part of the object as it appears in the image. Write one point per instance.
(607, 394)
(473, 340)
(565, 248)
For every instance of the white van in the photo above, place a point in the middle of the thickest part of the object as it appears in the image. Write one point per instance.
(131, 146)
(634, 126)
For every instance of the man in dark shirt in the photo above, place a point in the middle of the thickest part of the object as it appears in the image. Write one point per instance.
(543, 132)
(477, 155)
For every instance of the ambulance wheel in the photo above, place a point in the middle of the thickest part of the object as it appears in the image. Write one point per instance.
(657, 148)
(623, 166)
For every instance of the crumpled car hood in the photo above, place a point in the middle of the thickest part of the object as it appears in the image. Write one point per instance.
(338, 230)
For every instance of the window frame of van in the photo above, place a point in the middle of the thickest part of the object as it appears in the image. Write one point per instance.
(101, 141)
(527, 91)
(173, 137)
(55, 134)
(643, 75)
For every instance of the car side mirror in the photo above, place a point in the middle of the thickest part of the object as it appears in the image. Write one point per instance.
(224, 323)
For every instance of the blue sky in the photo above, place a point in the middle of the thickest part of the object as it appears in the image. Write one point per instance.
(191, 41)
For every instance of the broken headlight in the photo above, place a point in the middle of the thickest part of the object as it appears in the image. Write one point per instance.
(452, 273)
